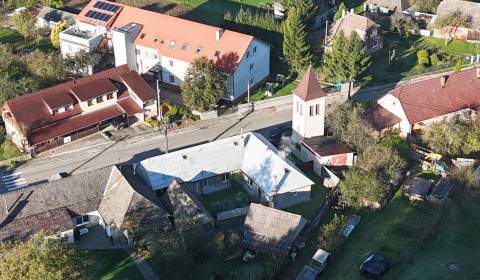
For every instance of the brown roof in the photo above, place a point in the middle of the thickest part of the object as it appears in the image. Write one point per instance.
(158, 28)
(139, 86)
(55, 220)
(129, 106)
(72, 124)
(93, 88)
(428, 99)
(326, 146)
(57, 98)
(309, 87)
(270, 230)
(352, 23)
(380, 118)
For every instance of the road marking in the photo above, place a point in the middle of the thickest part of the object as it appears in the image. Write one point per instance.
(14, 181)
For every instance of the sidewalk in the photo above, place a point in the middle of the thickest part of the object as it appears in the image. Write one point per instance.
(142, 265)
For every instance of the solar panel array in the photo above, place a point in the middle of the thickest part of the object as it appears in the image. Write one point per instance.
(106, 6)
(98, 15)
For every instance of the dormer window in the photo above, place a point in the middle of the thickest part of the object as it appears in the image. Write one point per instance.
(109, 95)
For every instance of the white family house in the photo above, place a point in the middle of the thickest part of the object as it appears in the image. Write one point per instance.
(271, 179)
(165, 46)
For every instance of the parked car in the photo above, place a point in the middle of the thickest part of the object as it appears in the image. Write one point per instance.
(118, 124)
(375, 266)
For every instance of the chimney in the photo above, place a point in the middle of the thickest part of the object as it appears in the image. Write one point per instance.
(219, 34)
(443, 80)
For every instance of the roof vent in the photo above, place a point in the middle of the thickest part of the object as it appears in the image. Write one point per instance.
(219, 33)
(287, 170)
(172, 43)
(184, 46)
(142, 35)
(184, 156)
(198, 49)
(235, 143)
(155, 40)
(443, 80)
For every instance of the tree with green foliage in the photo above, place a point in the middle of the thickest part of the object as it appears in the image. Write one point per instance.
(434, 60)
(57, 4)
(450, 23)
(203, 85)
(340, 11)
(423, 59)
(55, 33)
(41, 258)
(25, 24)
(347, 59)
(458, 66)
(362, 188)
(295, 47)
(345, 122)
(382, 160)
(306, 8)
(78, 63)
(331, 234)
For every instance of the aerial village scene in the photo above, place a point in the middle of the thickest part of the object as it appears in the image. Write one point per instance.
(239, 139)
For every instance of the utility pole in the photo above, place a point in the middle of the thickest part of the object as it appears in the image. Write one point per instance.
(159, 105)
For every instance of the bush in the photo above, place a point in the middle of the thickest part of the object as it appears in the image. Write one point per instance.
(9, 150)
(331, 233)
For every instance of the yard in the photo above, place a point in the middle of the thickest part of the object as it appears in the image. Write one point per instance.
(10, 36)
(317, 198)
(406, 56)
(111, 265)
(281, 91)
(227, 199)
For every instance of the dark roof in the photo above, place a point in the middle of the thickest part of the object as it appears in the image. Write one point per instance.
(33, 111)
(129, 106)
(79, 194)
(185, 207)
(56, 15)
(308, 273)
(326, 146)
(270, 230)
(379, 118)
(72, 124)
(309, 87)
(55, 220)
(442, 189)
(428, 99)
(392, 5)
(139, 86)
(123, 200)
(93, 88)
(418, 186)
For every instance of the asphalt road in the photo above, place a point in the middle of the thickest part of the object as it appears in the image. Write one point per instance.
(134, 145)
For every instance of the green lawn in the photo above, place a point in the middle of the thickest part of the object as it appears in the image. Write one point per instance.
(8, 150)
(286, 90)
(224, 200)
(10, 36)
(406, 54)
(111, 265)
(317, 198)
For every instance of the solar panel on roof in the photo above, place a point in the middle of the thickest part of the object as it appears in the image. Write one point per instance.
(98, 15)
(106, 6)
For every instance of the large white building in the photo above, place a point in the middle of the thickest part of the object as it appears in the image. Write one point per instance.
(154, 42)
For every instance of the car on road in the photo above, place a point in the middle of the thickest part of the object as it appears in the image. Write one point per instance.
(118, 124)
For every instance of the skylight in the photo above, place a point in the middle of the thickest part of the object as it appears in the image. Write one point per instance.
(184, 46)
(172, 43)
(198, 49)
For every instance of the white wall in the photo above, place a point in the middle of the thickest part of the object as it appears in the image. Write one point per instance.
(124, 48)
(14, 133)
(261, 68)
(393, 105)
(71, 44)
(97, 106)
(303, 124)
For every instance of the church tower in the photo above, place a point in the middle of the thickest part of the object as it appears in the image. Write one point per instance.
(308, 108)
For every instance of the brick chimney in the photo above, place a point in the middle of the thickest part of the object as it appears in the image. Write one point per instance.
(219, 33)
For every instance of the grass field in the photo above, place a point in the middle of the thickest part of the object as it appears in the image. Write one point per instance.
(317, 198)
(112, 265)
(10, 36)
(260, 93)
(406, 53)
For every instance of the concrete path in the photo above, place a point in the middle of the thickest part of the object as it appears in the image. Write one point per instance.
(142, 265)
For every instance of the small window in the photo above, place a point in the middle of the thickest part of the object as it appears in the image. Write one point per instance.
(170, 62)
(251, 66)
(142, 35)
(251, 81)
(312, 113)
(317, 109)
(254, 49)
(184, 46)
(226, 176)
(138, 52)
(109, 96)
(171, 79)
(198, 49)
(217, 53)
(66, 107)
(99, 99)
(172, 43)
(248, 54)
(55, 111)
(90, 102)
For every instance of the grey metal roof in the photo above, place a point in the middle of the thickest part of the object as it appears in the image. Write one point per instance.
(467, 8)
(271, 230)
(55, 15)
(392, 5)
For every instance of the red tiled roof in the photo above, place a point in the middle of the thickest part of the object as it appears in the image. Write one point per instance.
(309, 87)
(380, 118)
(72, 124)
(428, 99)
(158, 27)
(93, 88)
(129, 106)
(139, 86)
(32, 110)
(326, 146)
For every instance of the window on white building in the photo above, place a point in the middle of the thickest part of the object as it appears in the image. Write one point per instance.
(317, 109)
(82, 220)
(99, 99)
(90, 102)
(198, 49)
(171, 79)
(312, 111)
(138, 51)
(170, 62)
(109, 96)
(184, 46)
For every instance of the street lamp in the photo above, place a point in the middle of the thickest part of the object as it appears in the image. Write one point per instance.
(160, 116)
